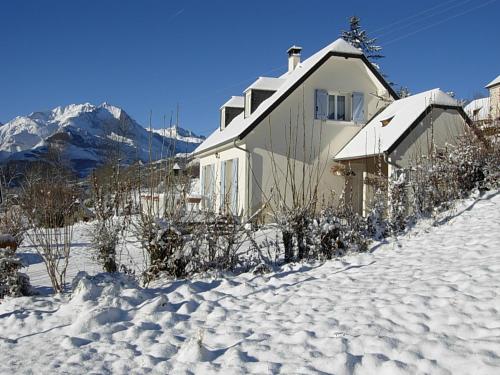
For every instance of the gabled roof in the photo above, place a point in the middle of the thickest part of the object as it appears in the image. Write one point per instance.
(478, 109)
(241, 126)
(266, 83)
(495, 82)
(235, 102)
(383, 132)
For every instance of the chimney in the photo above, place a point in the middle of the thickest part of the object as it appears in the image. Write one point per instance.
(293, 57)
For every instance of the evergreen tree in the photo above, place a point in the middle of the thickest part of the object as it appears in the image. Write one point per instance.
(403, 92)
(359, 39)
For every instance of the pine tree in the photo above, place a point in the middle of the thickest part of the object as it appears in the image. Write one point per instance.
(403, 92)
(359, 39)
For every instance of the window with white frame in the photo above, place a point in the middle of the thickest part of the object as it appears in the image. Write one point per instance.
(229, 186)
(338, 106)
(207, 180)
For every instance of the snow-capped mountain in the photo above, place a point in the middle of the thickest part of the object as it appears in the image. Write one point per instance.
(87, 135)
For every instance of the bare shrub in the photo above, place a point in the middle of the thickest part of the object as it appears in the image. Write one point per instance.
(437, 180)
(398, 207)
(13, 223)
(49, 201)
(111, 198)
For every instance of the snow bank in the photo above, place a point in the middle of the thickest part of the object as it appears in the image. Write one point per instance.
(425, 303)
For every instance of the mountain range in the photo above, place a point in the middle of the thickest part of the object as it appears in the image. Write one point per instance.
(86, 135)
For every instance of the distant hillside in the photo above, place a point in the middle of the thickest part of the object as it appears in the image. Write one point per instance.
(87, 135)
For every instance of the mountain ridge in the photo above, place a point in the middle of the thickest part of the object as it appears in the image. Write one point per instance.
(86, 134)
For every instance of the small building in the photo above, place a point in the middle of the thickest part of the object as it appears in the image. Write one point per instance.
(486, 110)
(177, 169)
(403, 132)
(494, 89)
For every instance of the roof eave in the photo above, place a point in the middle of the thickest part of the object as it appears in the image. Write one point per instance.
(212, 148)
(400, 139)
(357, 157)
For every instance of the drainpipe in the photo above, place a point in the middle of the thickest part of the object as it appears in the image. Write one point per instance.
(248, 174)
(386, 159)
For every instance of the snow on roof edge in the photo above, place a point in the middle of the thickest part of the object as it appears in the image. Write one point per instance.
(495, 82)
(375, 138)
(234, 101)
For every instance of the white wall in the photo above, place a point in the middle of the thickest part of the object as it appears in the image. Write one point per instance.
(216, 159)
(495, 102)
(292, 123)
(439, 128)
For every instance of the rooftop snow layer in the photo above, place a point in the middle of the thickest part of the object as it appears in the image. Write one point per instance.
(266, 83)
(495, 82)
(240, 123)
(374, 138)
(478, 109)
(235, 102)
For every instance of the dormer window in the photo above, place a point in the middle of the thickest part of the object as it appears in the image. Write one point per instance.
(230, 110)
(386, 121)
(262, 89)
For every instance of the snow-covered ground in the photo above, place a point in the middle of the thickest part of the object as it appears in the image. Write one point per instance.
(425, 303)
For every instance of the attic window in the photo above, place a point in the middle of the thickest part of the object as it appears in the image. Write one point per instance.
(386, 121)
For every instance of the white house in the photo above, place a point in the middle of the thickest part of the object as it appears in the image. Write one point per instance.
(277, 142)
(485, 110)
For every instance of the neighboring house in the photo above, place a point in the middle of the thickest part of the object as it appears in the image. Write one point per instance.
(486, 110)
(277, 142)
(398, 136)
(284, 130)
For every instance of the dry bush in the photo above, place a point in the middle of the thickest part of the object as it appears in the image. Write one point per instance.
(49, 201)
(13, 223)
(433, 183)
(111, 196)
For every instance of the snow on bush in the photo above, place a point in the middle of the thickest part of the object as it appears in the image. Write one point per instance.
(13, 223)
(12, 282)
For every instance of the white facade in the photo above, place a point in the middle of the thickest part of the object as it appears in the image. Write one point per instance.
(285, 150)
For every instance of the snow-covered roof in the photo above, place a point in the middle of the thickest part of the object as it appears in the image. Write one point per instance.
(381, 132)
(478, 109)
(240, 124)
(495, 82)
(266, 83)
(235, 102)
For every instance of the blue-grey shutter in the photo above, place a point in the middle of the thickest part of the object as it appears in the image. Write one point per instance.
(222, 185)
(234, 197)
(321, 104)
(211, 187)
(202, 185)
(358, 107)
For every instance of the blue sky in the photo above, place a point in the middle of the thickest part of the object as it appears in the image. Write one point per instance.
(151, 55)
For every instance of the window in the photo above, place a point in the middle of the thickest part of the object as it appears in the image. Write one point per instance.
(229, 186)
(207, 186)
(386, 121)
(337, 106)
